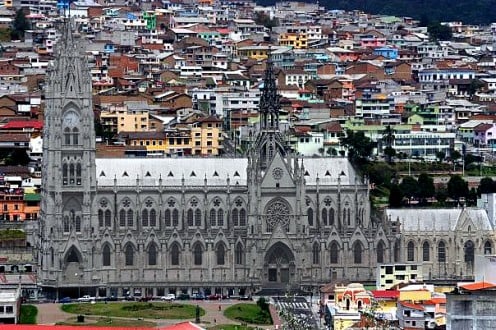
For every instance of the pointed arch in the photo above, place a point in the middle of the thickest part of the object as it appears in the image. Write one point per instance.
(397, 251)
(108, 218)
(426, 251)
(198, 217)
(213, 216)
(242, 217)
(380, 252)
(129, 254)
(220, 252)
(310, 216)
(441, 251)
(100, 217)
(235, 217)
(316, 253)
(197, 254)
(174, 254)
(152, 254)
(334, 252)
(324, 217)
(144, 218)
(130, 218)
(331, 216)
(106, 253)
(73, 255)
(153, 218)
(468, 249)
(167, 217)
(488, 247)
(410, 251)
(239, 254)
(357, 252)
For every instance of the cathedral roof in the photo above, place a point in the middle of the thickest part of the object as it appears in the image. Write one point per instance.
(215, 170)
(442, 220)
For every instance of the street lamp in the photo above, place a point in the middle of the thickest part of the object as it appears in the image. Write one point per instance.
(78, 284)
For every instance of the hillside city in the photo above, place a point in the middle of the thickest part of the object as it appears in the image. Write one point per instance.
(412, 107)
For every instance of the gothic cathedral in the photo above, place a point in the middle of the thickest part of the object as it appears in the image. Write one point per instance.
(138, 226)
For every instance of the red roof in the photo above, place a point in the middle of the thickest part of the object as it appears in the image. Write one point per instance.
(386, 294)
(183, 326)
(408, 305)
(19, 124)
(478, 286)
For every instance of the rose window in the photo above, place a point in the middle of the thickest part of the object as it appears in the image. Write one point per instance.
(277, 214)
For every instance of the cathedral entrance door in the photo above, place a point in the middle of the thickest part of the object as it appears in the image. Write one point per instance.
(278, 261)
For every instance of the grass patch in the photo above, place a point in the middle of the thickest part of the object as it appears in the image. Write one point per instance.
(249, 313)
(231, 327)
(108, 322)
(28, 314)
(156, 310)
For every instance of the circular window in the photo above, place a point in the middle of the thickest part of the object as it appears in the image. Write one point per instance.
(277, 173)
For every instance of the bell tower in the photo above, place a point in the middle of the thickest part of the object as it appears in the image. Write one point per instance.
(68, 168)
(269, 139)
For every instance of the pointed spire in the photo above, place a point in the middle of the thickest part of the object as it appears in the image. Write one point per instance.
(269, 100)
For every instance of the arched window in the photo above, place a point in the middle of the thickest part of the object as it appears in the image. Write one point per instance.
(67, 136)
(106, 255)
(316, 253)
(65, 174)
(78, 174)
(130, 218)
(167, 218)
(129, 252)
(380, 252)
(212, 217)
(235, 217)
(153, 218)
(52, 258)
(426, 247)
(334, 253)
(100, 218)
(220, 217)
(357, 253)
(197, 255)
(144, 218)
(71, 174)
(66, 224)
(75, 136)
(239, 254)
(310, 216)
(469, 252)
(175, 217)
(220, 254)
(331, 217)
(78, 224)
(198, 218)
(122, 218)
(152, 255)
(324, 217)
(396, 251)
(108, 218)
(175, 255)
(242, 218)
(488, 248)
(190, 217)
(441, 251)
(410, 251)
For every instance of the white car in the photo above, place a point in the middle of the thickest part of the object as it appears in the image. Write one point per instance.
(168, 297)
(86, 298)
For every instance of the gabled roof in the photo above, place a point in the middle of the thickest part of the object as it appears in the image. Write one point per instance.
(408, 305)
(18, 124)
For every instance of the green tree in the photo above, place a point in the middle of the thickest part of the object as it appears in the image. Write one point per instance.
(457, 187)
(409, 187)
(359, 146)
(486, 186)
(395, 196)
(379, 173)
(387, 141)
(475, 85)
(440, 155)
(438, 31)
(426, 187)
(20, 25)
(262, 18)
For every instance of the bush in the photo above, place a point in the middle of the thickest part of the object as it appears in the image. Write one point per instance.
(28, 314)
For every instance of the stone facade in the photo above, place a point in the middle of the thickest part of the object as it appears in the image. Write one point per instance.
(211, 225)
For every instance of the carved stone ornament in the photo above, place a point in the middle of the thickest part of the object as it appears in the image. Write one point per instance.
(277, 214)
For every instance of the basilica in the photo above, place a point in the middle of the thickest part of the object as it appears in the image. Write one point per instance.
(232, 226)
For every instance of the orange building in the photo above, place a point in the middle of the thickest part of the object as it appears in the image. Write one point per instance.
(15, 205)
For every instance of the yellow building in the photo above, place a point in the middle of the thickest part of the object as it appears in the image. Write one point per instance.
(416, 293)
(206, 135)
(294, 40)
(202, 136)
(254, 52)
(118, 119)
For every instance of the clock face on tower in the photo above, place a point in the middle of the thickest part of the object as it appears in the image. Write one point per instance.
(71, 119)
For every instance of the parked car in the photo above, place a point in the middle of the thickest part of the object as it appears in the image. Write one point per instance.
(198, 296)
(65, 300)
(168, 297)
(86, 298)
(183, 296)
